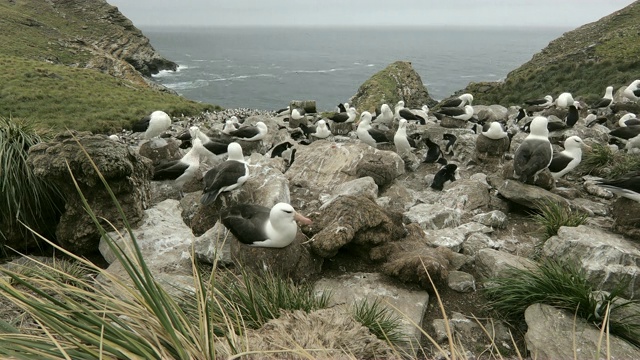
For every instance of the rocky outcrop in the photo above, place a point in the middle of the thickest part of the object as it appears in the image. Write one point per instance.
(398, 81)
(127, 173)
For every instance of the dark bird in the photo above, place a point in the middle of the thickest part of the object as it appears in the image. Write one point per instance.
(181, 170)
(227, 176)
(465, 113)
(251, 133)
(403, 113)
(568, 159)
(626, 132)
(522, 113)
(573, 115)
(260, 226)
(535, 152)
(280, 148)
(459, 101)
(626, 186)
(445, 174)
(606, 101)
(434, 154)
(341, 108)
(544, 102)
(451, 140)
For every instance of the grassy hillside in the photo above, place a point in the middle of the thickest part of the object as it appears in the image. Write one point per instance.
(59, 96)
(583, 61)
(78, 64)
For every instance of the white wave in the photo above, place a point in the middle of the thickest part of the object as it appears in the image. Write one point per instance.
(242, 77)
(164, 73)
(315, 71)
(370, 65)
(187, 84)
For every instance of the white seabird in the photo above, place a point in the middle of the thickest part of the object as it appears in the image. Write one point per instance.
(181, 170)
(460, 101)
(628, 120)
(535, 153)
(260, 226)
(606, 101)
(386, 116)
(404, 144)
(568, 159)
(544, 102)
(632, 92)
(465, 113)
(227, 176)
(251, 133)
(153, 125)
(322, 131)
(564, 100)
(348, 116)
(367, 134)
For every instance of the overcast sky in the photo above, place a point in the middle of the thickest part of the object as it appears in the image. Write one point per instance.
(561, 13)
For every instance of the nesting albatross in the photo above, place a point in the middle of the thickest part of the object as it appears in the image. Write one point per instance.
(568, 159)
(535, 153)
(260, 226)
(227, 176)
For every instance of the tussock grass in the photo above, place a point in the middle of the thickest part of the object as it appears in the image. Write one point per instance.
(552, 216)
(379, 320)
(604, 162)
(25, 198)
(563, 286)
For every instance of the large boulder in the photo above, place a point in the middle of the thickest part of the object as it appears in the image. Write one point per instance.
(558, 334)
(126, 172)
(626, 211)
(398, 81)
(609, 260)
(322, 166)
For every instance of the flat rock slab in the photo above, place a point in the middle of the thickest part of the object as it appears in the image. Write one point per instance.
(408, 305)
(557, 334)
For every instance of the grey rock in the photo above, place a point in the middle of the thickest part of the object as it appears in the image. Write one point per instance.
(364, 186)
(466, 195)
(626, 213)
(325, 165)
(607, 259)
(397, 197)
(557, 334)
(495, 219)
(351, 289)
(492, 263)
(432, 216)
(214, 246)
(528, 195)
(461, 281)
(477, 241)
(161, 150)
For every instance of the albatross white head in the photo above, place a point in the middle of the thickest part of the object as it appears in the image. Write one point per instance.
(235, 152)
(281, 228)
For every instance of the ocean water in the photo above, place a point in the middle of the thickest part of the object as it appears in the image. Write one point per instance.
(265, 68)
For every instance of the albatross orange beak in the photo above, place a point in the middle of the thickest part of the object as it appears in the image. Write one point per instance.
(302, 219)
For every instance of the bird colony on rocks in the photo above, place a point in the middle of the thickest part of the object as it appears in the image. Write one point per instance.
(444, 176)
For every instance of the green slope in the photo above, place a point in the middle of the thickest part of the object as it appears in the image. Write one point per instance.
(583, 61)
(60, 58)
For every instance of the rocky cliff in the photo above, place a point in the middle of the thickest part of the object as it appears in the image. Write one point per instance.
(86, 34)
(583, 61)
